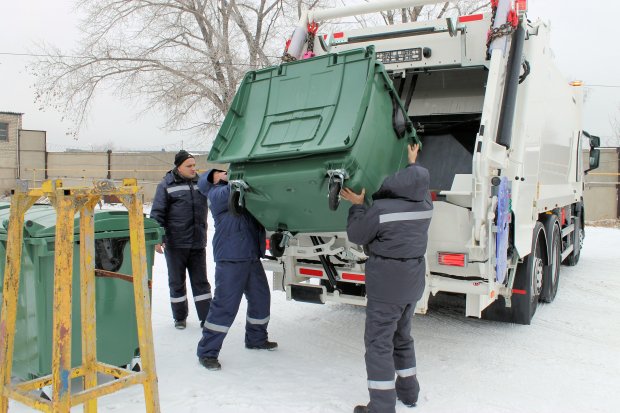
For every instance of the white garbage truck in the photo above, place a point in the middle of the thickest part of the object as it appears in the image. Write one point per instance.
(503, 141)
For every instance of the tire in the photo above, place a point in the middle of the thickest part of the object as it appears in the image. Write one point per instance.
(334, 194)
(274, 245)
(233, 203)
(526, 288)
(551, 273)
(528, 280)
(578, 235)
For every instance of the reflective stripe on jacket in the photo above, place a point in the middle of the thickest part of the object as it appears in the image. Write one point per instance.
(181, 210)
(395, 231)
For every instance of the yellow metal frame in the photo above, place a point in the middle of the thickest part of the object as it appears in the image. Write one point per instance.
(67, 202)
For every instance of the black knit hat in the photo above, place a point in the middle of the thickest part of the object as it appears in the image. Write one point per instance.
(181, 157)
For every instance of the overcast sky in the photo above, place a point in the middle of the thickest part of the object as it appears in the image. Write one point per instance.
(584, 40)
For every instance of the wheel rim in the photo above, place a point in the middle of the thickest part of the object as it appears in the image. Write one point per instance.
(538, 276)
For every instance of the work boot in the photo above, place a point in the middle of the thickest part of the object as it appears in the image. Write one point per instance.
(407, 390)
(267, 345)
(360, 409)
(408, 402)
(210, 363)
(180, 324)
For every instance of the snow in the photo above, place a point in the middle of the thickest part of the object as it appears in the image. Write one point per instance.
(566, 361)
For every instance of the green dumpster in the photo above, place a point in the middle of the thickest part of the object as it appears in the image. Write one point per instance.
(296, 133)
(117, 338)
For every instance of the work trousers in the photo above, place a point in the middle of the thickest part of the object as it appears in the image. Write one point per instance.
(232, 281)
(390, 355)
(194, 262)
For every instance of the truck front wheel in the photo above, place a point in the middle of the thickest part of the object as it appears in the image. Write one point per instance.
(577, 238)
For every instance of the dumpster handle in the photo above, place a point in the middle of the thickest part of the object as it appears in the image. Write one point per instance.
(111, 274)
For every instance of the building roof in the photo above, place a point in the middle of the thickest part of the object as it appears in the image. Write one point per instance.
(10, 113)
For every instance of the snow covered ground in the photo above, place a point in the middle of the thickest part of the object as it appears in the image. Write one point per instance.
(568, 360)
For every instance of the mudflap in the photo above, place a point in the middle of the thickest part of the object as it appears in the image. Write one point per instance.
(306, 293)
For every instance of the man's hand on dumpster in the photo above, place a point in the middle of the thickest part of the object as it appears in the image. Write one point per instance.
(412, 152)
(159, 248)
(352, 197)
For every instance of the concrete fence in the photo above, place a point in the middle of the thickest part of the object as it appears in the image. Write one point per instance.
(602, 188)
(82, 168)
(601, 195)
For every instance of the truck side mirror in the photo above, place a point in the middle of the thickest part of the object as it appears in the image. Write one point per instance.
(595, 153)
(595, 157)
(595, 141)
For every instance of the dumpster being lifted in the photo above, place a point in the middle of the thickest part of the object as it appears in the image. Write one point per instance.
(117, 340)
(295, 132)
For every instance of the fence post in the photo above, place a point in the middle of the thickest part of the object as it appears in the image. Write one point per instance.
(109, 164)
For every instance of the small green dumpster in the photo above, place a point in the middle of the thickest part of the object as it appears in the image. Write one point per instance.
(296, 133)
(117, 338)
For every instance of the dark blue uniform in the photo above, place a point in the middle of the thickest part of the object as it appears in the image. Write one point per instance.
(395, 231)
(238, 245)
(182, 211)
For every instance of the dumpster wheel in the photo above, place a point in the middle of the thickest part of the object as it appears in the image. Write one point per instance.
(274, 244)
(334, 194)
(233, 203)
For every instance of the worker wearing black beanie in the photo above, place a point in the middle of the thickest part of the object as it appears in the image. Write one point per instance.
(182, 211)
(181, 157)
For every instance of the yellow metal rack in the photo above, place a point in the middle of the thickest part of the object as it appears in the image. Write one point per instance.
(67, 202)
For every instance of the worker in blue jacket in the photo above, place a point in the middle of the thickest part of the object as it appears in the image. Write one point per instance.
(182, 211)
(395, 232)
(238, 245)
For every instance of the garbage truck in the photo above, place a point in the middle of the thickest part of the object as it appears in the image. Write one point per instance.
(500, 133)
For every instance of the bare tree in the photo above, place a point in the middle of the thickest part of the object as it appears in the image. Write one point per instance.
(183, 57)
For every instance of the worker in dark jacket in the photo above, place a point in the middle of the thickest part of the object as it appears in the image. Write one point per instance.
(395, 231)
(182, 211)
(238, 245)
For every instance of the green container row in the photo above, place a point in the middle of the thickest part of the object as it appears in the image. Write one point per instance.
(117, 338)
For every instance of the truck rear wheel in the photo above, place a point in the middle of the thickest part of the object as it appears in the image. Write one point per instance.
(526, 289)
(551, 275)
(528, 280)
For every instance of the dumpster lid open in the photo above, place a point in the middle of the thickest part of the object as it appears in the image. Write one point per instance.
(298, 109)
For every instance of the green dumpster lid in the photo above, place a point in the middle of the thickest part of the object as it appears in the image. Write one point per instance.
(5, 211)
(40, 221)
(298, 108)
